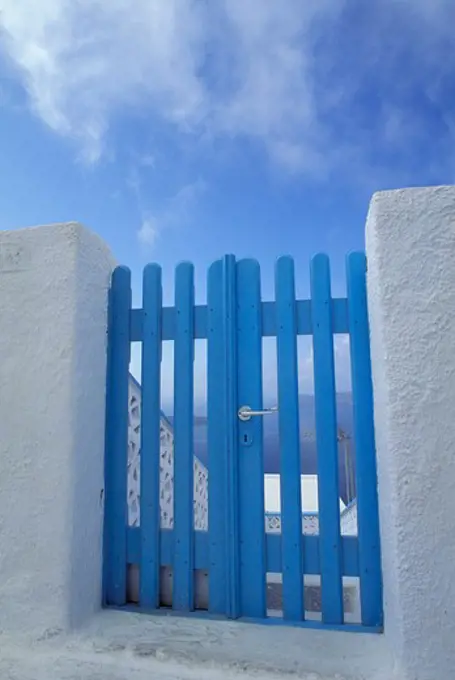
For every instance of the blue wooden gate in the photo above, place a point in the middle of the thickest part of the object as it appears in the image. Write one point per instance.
(236, 551)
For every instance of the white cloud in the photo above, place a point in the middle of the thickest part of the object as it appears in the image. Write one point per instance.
(82, 61)
(148, 232)
(232, 67)
(177, 212)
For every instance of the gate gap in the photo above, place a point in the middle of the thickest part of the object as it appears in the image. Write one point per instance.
(308, 457)
(201, 473)
(271, 453)
(133, 465)
(346, 458)
(134, 435)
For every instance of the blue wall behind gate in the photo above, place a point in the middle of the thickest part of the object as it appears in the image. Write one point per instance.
(236, 551)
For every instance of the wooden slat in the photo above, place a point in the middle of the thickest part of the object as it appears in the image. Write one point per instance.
(250, 442)
(215, 438)
(116, 512)
(183, 583)
(150, 439)
(327, 445)
(288, 401)
(230, 436)
(168, 323)
(366, 477)
(311, 562)
(304, 324)
(311, 555)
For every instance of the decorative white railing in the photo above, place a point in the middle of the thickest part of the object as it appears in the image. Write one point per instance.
(310, 523)
(166, 470)
(349, 520)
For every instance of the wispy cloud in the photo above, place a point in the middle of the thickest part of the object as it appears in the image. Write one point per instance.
(178, 211)
(279, 72)
(148, 233)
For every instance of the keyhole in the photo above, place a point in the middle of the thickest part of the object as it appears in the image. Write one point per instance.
(247, 439)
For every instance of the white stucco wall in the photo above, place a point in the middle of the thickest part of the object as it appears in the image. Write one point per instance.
(410, 240)
(53, 300)
(125, 646)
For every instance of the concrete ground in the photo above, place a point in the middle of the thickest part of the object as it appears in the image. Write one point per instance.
(126, 646)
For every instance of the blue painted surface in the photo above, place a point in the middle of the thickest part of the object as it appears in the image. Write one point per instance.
(304, 323)
(288, 402)
(230, 440)
(183, 579)
(250, 442)
(273, 549)
(236, 551)
(150, 438)
(366, 477)
(326, 438)
(116, 515)
(215, 437)
(166, 554)
(304, 514)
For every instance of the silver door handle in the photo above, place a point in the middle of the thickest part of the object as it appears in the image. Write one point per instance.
(245, 413)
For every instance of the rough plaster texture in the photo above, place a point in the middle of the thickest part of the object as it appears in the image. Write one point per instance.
(53, 302)
(123, 646)
(411, 292)
(53, 299)
(53, 295)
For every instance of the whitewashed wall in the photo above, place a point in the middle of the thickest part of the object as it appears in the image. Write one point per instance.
(410, 240)
(54, 283)
(53, 302)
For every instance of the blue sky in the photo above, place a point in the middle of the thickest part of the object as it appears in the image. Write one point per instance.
(188, 129)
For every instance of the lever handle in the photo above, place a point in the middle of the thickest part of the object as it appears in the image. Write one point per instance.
(245, 413)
